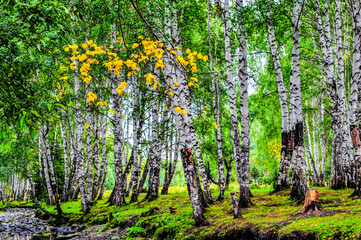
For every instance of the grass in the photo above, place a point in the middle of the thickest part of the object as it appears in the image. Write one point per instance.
(269, 213)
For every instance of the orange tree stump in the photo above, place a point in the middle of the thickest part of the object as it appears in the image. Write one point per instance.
(312, 202)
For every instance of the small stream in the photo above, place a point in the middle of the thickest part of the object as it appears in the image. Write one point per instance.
(21, 224)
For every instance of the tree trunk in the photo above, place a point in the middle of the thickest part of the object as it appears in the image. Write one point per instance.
(189, 169)
(89, 145)
(46, 171)
(154, 160)
(104, 159)
(312, 202)
(104, 163)
(232, 99)
(243, 78)
(184, 127)
(66, 164)
(235, 207)
(179, 74)
(345, 148)
(96, 134)
(337, 179)
(315, 174)
(355, 82)
(299, 182)
(221, 176)
(118, 138)
(172, 167)
(79, 153)
(144, 177)
(355, 134)
(135, 172)
(286, 149)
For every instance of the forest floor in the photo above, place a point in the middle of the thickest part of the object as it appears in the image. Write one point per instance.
(271, 216)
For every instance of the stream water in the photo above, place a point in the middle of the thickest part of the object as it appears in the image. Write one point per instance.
(21, 224)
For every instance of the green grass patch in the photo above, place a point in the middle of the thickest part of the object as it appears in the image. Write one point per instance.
(268, 213)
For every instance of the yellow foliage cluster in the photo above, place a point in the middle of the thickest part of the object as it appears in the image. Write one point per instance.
(178, 109)
(76, 56)
(91, 97)
(145, 50)
(102, 103)
(149, 78)
(275, 148)
(121, 87)
(193, 82)
(63, 68)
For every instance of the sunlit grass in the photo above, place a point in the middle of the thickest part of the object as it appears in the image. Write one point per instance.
(268, 212)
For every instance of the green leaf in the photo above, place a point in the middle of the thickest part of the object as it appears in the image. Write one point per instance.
(22, 120)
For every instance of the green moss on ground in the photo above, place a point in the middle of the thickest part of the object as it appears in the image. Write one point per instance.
(269, 214)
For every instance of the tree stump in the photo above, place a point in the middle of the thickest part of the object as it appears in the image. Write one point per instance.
(312, 203)
(236, 212)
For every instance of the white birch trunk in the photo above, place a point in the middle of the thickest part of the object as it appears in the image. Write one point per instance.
(184, 129)
(96, 134)
(243, 78)
(355, 82)
(299, 182)
(79, 141)
(66, 163)
(215, 89)
(286, 150)
(135, 172)
(104, 163)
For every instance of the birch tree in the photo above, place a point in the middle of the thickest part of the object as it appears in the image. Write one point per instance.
(299, 182)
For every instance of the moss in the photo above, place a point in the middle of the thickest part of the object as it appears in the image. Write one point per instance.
(269, 215)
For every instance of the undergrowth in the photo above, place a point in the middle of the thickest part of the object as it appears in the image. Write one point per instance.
(170, 217)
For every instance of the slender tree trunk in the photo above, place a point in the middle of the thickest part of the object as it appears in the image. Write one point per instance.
(104, 163)
(315, 175)
(355, 82)
(315, 146)
(50, 166)
(172, 168)
(46, 170)
(89, 145)
(118, 136)
(155, 158)
(73, 159)
(168, 161)
(144, 177)
(179, 74)
(337, 179)
(345, 148)
(96, 134)
(215, 89)
(184, 128)
(299, 182)
(136, 137)
(40, 157)
(286, 150)
(243, 78)
(66, 164)
(232, 100)
(79, 153)
(33, 190)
